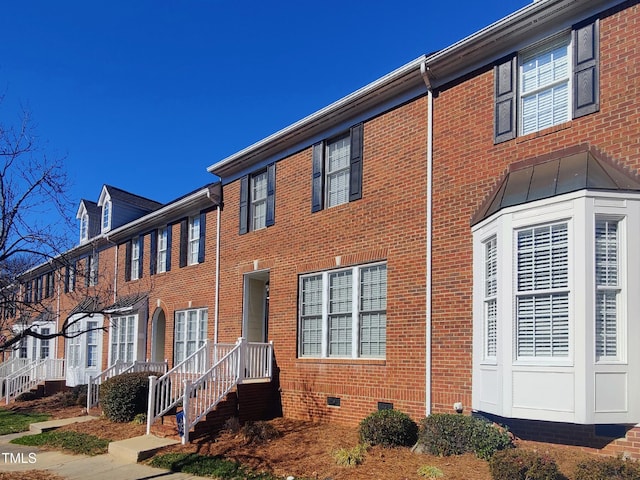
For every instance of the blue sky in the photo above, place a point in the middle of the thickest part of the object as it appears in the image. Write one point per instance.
(146, 94)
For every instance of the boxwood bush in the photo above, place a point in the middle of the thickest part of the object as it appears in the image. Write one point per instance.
(124, 396)
(389, 428)
(453, 434)
(523, 465)
(607, 469)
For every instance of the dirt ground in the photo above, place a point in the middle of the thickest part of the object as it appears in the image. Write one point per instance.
(306, 450)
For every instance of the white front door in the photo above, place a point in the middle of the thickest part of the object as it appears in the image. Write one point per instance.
(256, 306)
(83, 351)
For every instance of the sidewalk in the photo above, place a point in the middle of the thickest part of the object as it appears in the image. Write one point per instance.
(19, 458)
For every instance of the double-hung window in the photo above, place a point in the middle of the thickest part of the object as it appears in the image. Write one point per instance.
(607, 289)
(542, 291)
(548, 83)
(163, 244)
(337, 170)
(106, 216)
(257, 200)
(123, 336)
(194, 240)
(135, 258)
(342, 313)
(44, 343)
(92, 343)
(73, 344)
(84, 227)
(190, 332)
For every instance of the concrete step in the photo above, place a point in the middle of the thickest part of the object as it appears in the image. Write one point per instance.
(40, 427)
(138, 448)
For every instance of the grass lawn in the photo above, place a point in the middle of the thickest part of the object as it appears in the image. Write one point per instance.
(13, 422)
(207, 466)
(74, 442)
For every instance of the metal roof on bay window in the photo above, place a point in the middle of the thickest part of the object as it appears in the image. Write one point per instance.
(548, 176)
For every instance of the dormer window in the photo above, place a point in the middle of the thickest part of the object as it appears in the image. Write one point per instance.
(106, 216)
(84, 227)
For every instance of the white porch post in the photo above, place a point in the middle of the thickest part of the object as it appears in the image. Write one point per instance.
(151, 401)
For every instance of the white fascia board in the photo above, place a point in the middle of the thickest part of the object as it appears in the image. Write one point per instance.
(509, 35)
(104, 196)
(82, 209)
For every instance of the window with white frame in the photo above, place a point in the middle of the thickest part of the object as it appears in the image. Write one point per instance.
(342, 313)
(106, 216)
(92, 343)
(73, 353)
(161, 263)
(542, 291)
(123, 338)
(135, 258)
(490, 297)
(545, 86)
(84, 227)
(337, 157)
(44, 343)
(92, 270)
(193, 240)
(190, 332)
(258, 210)
(607, 289)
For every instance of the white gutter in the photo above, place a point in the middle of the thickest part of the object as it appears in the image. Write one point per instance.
(425, 75)
(217, 299)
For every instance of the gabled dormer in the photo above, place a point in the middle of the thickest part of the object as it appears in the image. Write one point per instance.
(118, 207)
(89, 216)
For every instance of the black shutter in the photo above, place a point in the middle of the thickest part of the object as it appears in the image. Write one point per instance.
(87, 270)
(244, 205)
(153, 252)
(271, 195)
(586, 70)
(317, 181)
(169, 230)
(141, 255)
(66, 279)
(184, 241)
(203, 234)
(355, 173)
(505, 99)
(127, 261)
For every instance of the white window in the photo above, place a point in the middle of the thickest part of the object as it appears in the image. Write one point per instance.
(44, 343)
(92, 344)
(490, 298)
(337, 157)
(194, 240)
(123, 338)
(162, 250)
(343, 313)
(190, 332)
(106, 216)
(71, 277)
(542, 292)
(92, 269)
(545, 89)
(607, 289)
(73, 345)
(258, 213)
(84, 227)
(135, 258)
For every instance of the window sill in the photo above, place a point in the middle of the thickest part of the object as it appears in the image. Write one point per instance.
(543, 132)
(342, 361)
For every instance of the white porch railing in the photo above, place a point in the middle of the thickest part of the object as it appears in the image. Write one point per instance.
(10, 366)
(245, 361)
(118, 368)
(32, 374)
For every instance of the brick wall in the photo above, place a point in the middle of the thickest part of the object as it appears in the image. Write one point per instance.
(467, 166)
(388, 223)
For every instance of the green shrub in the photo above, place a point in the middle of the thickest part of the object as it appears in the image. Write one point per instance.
(429, 471)
(453, 434)
(350, 457)
(522, 465)
(607, 469)
(124, 396)
(389, 428)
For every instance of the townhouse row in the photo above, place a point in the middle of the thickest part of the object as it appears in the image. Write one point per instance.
(457, 235)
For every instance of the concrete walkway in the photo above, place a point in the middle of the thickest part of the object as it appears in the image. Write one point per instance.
(20, 458)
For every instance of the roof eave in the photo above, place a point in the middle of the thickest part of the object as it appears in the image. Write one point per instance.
(508, 35)
(389, 86)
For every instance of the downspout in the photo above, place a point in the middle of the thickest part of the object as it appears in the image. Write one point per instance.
(424, 70)
(217, 300)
